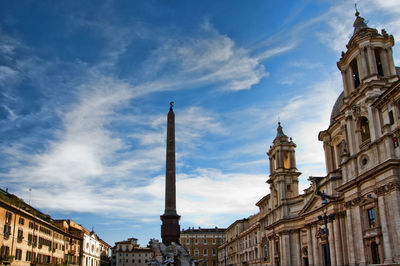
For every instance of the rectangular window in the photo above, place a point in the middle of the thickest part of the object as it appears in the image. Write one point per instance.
(205, 252)
(18, 254)
(214, 251)
(20, 235)
(187, 241)
(8, 217)
(196, 241)
(214, 241)
(28, 255)
(5, 251)
(31, 225)
(205, 241)
(391, 117)
(7, 231)
(371, 218)
(21, 221)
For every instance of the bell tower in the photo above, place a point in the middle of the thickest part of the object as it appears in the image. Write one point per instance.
(283, 178)
(368, 58)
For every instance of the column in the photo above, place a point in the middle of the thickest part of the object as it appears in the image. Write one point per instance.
(285, 249)
(387, 247)
(372, 123)
(297, 248)
(384, 61)
(390, 61)
(292, 160)
(310, 246)
(350, 243)
(351, 134)
(342, 224)
(345, 85)
(350, 80)
(395, 225)
(278, 159)
(315, 245)
(273, 252)
(271, 167)
(362, 65)
(338, 244)
(371, 61)
(359, 241)
(332, 249)
(328, 156)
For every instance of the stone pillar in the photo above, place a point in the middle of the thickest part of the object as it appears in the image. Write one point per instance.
(362, 64)
(372, 123)
(351, 134)
(350, 80)
(395, 225)
(332, 244)
(350, 241)
(387, 247)
(343, 230)
(345, 86)
(338, 244)
(315, 245)
(278, 159)
(271, 167)
(310, 246)
(390, 61)
(292, 160)
(273, 251)
(285, 248)
(359, 241)
(297, 248)
(384, 61)
(371, 61)
(328, 157)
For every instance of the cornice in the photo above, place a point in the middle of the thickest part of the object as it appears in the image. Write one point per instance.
(368, 174)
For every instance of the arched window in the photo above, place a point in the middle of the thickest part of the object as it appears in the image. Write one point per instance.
(286, 160)
(356, 75)
(378, 62)
(266, 251)
(364, 128)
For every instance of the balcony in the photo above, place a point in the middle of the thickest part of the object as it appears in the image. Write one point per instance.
(372, 232)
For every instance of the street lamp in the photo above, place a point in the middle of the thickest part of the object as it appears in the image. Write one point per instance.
(326, 218)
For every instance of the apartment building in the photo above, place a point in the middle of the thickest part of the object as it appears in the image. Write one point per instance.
(130, 253)
(202, 244)
(32, 237)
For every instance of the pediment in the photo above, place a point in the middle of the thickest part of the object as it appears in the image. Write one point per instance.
(314, 202)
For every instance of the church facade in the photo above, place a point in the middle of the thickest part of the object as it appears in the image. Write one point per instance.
(351, 216)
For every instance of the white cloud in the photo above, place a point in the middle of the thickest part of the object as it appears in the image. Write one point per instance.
(212, 58)
(205, 191)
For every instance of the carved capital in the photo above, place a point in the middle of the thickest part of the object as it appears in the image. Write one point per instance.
(387, 188)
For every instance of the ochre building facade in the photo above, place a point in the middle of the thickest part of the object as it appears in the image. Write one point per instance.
(30, 237)
(351, 216)
(202, 244)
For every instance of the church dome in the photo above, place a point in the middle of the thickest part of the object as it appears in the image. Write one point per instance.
(336, 107)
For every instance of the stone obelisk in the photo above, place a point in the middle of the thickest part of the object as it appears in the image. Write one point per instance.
(170, 229)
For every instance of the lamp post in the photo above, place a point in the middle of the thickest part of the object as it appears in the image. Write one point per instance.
(326, 218)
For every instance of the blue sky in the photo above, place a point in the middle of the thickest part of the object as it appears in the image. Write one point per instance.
(85, 88)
